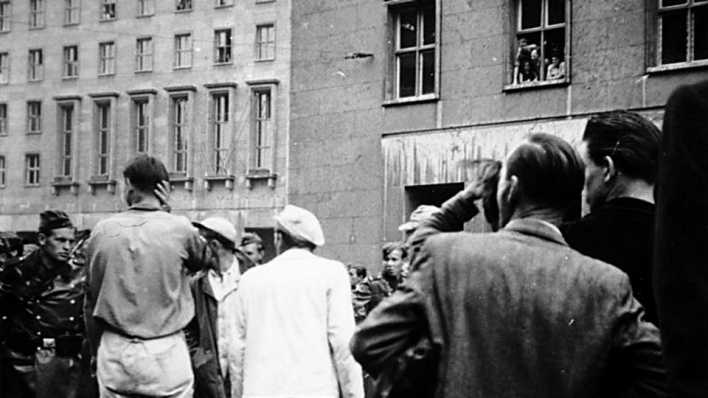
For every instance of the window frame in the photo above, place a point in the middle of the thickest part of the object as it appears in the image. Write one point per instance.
(141, 120)
(180, 147)
(31, 170)
(654, 37)
(260, 44)
(142, 6)
(179, 53)
(5, 16)
(37, 15)
(107, 60)
(392, 87)
(3, 171)
(140, 56)
(228, 46)
(4, 67)
(4, 132)
(69, 65)
(259, 151)
(34, 116)
(108, 10)
(66, 158)
(35, 71)
(99, 104)
(220, 154)
(72, 8)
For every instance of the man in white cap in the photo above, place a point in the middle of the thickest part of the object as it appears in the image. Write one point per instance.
(420, 214)
(295, 320)
(211, 333)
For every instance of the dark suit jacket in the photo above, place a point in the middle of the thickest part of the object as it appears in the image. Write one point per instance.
(517, 314)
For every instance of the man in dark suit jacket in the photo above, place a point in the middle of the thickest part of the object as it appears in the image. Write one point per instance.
(518, 313)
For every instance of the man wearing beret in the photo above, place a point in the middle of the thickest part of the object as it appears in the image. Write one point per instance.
(41, 315)
(295, 320)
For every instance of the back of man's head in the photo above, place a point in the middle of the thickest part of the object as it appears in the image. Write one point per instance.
(629, 139)
(550, 172)
(145, 172)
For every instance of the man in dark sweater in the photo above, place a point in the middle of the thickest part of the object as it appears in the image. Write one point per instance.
(620, 152)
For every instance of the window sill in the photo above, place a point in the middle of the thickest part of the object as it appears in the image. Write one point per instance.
(35, 81)
(223, 63)
(260, 174)
(107, 19)
(65, 78)
(33, 133)
(184, 11)
(182, 67)
(70, 24)
(64, 183)
(264, 1)
(100, 75)
(677, 67)
(101, 181)
(224, 6)
(412, 100)
(145, 16)
(510, 88)
(32, 185)
(35, 28)
(258, 61)
(143, 71)
(5, 31)
(211, 180)
(181, 178)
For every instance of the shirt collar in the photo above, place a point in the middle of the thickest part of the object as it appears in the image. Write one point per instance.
(538, 228)
(144, 207)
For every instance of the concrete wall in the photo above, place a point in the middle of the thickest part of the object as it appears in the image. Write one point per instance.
(338, 116)
(245, 206)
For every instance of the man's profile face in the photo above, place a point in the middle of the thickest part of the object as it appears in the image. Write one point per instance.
(354, 277)
(57, 245)
(506, 209)
(596, 188)
(254, 251)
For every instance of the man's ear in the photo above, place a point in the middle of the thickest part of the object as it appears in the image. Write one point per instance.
(513, 190)
(608, 170)
(41, 238)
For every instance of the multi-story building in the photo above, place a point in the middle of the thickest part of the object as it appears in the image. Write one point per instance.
(87, 85)
(392, 98)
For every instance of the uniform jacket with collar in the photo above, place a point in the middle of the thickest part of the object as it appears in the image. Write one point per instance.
(294, 324)
(518, 314)
(202, 335)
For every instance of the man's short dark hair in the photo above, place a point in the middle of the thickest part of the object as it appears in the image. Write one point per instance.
(549, 170)
(388, 248)
(629, 139)
(359, 269)
(145, 172)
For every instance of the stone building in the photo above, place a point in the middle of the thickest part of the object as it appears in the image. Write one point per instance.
(392, 98)
(87, 85)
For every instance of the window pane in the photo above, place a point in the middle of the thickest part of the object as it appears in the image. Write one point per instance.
(408, 29)
(556, 11)
(673, 37)
(429, 26)
(528, 58)
(700, 27)
(428, 62)
(530, 14)
(667, 3)
(553, 54)
(406, 75)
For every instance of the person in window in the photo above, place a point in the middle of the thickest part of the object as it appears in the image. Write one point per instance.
(528, 73)
(556, 69)
(524, 52)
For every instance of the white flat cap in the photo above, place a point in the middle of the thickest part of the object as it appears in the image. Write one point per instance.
(300, 223)
(219, 225)
(420, 214)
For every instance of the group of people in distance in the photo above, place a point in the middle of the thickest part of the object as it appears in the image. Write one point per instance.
(550, 304)
(529, 67)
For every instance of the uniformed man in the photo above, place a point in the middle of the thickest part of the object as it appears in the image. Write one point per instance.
(41, 298)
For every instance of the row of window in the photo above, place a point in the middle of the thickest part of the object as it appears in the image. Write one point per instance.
(107, 11)
(540, 52)
(144, 47)
(219, 154)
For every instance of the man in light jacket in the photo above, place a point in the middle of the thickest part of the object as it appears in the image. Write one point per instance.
(295, 320)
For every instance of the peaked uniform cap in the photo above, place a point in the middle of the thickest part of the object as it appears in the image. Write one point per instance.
(300, 223)
(221, 226)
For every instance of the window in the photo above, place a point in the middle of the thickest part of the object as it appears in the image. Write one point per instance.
(3, 119)
(222, 46)
(683, 31)
(35, 71)
(34, 117)
(263, 129)
(224, 3)
(71, 61)
(103, 138)
(36, 16)
(106, 58)
(540, 48)
(415, 50)
(108, 10)
(265, 42)
(4, 68)
(183, 51)
(66, 132)
(141, 125)
(183, 5)
(219, 127)
(32, 169)
(3, 172)
(179, 129)
(5, 15)
(72, 12)
(143, 55)
(146, 7)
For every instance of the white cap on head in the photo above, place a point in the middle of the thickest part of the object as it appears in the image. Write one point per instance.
(420, 214)
(300, 223)
(221, 226)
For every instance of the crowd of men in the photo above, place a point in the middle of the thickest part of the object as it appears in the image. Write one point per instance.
(551, 304)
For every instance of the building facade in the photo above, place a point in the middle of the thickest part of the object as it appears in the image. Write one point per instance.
(391, 99)
(87, 85)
